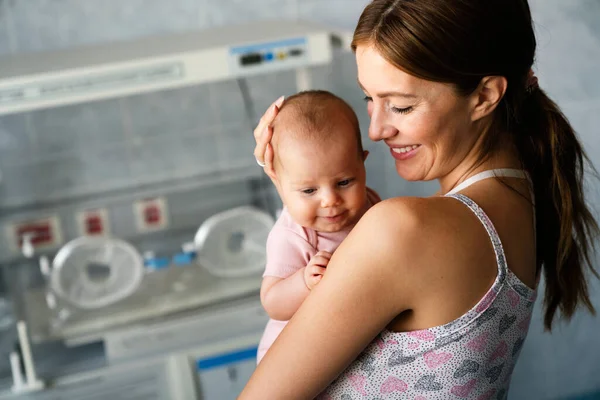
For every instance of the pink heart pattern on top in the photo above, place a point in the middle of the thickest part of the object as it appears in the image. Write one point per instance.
(479, 343)
(434, 360)
(487, 300)
(358, 383)
(464, 390)
(500, 351)
(513, 298)
(393, 384)
(413, 345)
(380, 344)
(487, 395)
(524, 325)
(422, 335)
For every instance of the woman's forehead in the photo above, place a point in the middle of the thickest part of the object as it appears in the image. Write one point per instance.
(376, 73)
(379, 78)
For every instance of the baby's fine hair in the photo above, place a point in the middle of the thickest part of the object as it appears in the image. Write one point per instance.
(310, 115)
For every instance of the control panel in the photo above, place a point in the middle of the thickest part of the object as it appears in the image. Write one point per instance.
(269, 56)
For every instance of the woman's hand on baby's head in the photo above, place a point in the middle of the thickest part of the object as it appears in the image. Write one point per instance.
(263, 152)
(315, 269)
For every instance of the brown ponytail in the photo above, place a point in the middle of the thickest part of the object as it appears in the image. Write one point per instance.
(551, 153)
(460, 42)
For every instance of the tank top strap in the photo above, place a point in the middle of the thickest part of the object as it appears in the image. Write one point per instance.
(492, 173)
(491, 231)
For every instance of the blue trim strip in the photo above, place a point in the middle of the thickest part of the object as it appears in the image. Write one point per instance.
(227, 358)
(267, 46)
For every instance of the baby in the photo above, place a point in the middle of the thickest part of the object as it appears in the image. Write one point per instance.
(320, 177)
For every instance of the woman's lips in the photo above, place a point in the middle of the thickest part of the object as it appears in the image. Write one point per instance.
(404, 152)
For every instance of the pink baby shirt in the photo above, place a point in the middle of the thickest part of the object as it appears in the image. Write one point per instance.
(290, 248)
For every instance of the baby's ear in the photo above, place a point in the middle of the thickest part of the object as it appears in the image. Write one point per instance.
(365, 155)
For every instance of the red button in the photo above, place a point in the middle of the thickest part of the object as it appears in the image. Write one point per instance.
(94, 225)
(152, 215)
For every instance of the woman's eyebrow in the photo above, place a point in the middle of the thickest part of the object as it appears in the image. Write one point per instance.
(391, 93)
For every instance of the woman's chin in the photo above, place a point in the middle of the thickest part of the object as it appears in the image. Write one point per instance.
(409, 174)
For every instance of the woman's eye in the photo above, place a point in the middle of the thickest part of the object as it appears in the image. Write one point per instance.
(401, 110)
(368, 99)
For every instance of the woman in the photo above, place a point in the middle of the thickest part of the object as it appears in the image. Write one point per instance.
(431, 298)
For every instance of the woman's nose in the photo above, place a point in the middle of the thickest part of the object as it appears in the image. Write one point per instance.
(380, 128)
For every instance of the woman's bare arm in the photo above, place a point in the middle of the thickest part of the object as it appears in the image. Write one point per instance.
(363, 290)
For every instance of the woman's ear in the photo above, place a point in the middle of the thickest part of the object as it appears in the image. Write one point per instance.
(487, 96)
(365, 155)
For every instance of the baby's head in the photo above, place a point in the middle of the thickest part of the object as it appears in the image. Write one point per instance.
(319, 161)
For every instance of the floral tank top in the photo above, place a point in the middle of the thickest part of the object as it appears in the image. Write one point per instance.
(471, 357)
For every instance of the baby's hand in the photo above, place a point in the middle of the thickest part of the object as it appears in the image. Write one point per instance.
(316, 268)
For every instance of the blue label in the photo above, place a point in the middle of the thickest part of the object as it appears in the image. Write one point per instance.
(183, 258)
(227, 358)
(157, 263)
(267, 46)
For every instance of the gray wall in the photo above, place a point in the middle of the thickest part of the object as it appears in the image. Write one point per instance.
(157, 137)
(568, 63)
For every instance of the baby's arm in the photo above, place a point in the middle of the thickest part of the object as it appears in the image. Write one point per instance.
(281, 297)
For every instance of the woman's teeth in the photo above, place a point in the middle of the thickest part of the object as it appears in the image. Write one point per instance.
(404, 149)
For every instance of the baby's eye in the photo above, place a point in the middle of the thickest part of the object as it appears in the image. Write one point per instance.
(308, 191)
(345, 182)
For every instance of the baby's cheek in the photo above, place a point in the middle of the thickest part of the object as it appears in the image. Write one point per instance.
(305, 213)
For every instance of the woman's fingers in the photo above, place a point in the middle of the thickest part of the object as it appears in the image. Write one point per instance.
(262, 133)
(269, 169)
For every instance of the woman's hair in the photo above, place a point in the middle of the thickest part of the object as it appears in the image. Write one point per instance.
(460, 42)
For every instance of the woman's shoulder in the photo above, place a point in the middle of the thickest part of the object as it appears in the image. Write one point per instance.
(399, 238)
(409, 214)
(417, 242)
(407, 227)
(417, 229)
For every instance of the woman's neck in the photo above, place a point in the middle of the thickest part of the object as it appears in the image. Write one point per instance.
(505, 156)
